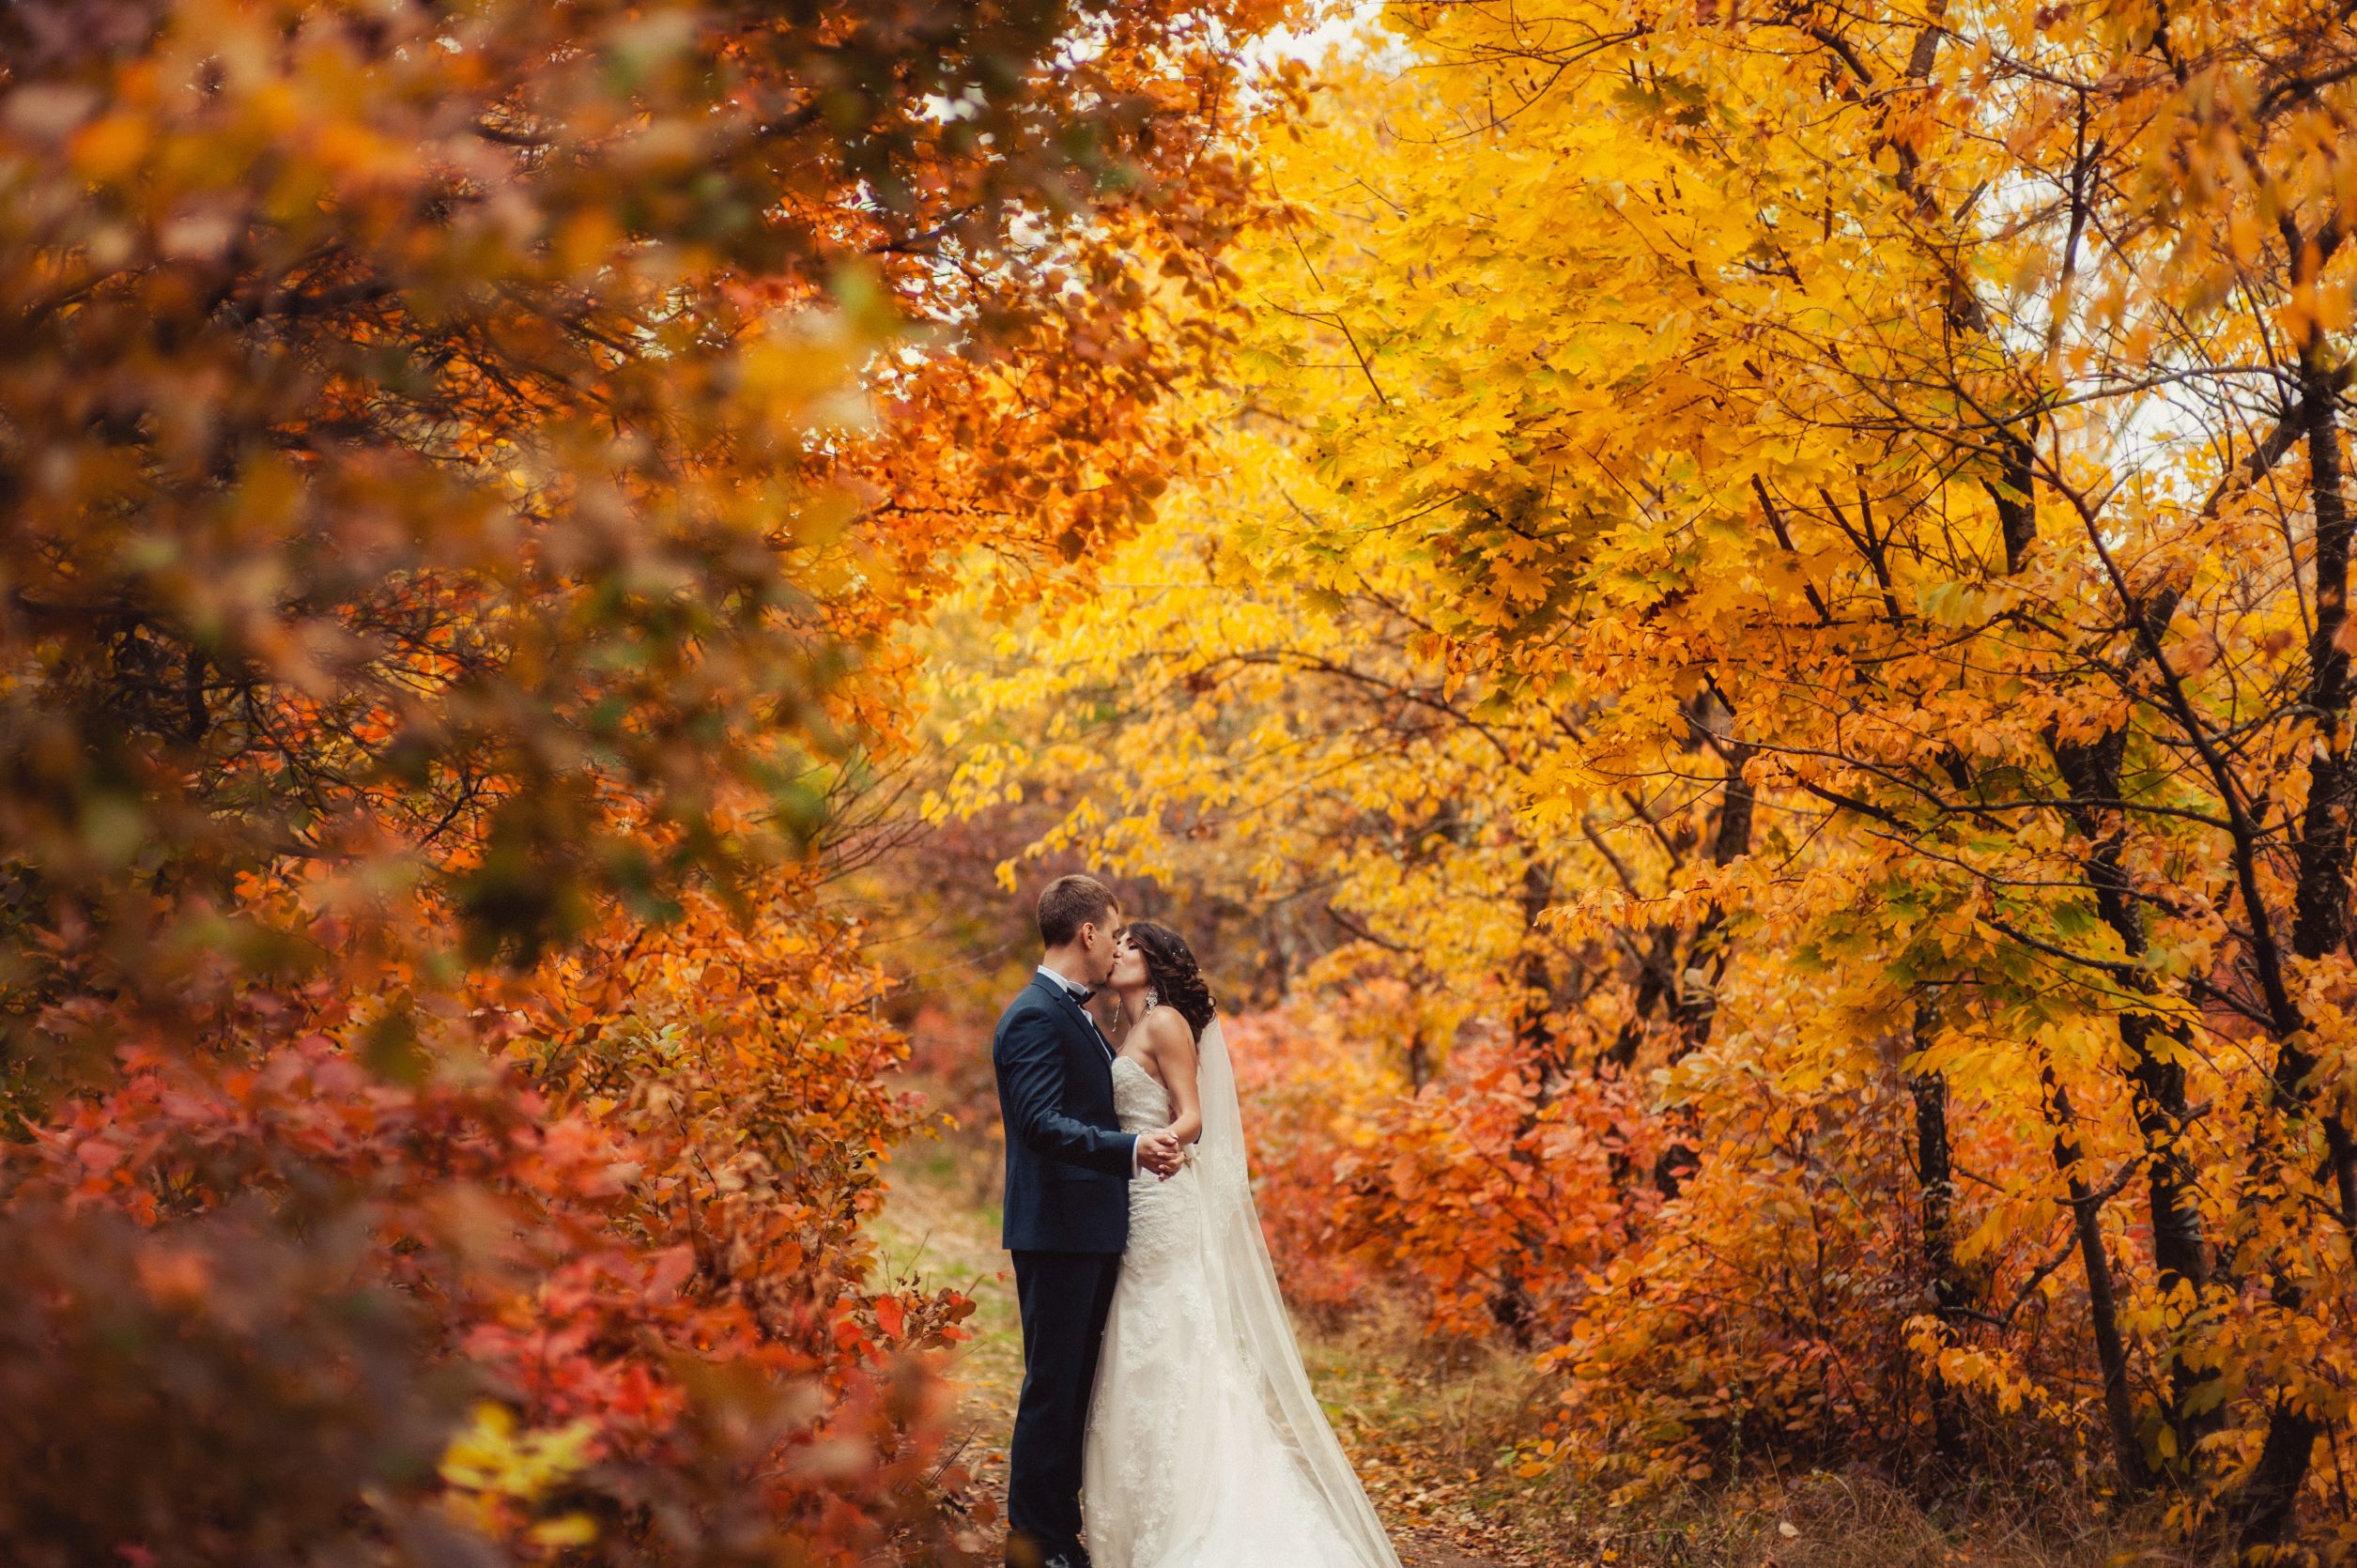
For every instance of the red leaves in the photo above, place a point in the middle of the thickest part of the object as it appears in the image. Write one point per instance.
(1491, 1201)
(662, 1232)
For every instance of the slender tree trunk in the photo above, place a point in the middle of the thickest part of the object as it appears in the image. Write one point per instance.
(1935, 1190)
(2090, 771)
(2269, 1498)
(1654, 982)
(2321, 905)
(1696, 1013)
(2154, 1052)
(2321, 902)
(1510, 1306)
(2111, 1354)
(1533, 1023)
(2013, 495)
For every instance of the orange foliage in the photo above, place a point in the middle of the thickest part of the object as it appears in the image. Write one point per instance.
(460, 467)
(1487, 1195)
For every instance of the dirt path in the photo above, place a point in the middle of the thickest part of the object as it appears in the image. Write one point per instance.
(1415, 1553)
(941, 1225)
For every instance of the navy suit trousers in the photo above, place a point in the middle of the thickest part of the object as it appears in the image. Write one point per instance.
(1063, 1298)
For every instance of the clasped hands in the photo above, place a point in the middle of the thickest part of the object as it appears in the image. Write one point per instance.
(1161, 1153)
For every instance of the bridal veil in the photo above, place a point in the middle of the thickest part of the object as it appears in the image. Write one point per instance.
(1250, 1309)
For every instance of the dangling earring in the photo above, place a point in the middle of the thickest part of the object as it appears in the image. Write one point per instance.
(1151, 1001)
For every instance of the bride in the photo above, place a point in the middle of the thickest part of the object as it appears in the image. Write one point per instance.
(1205, 1447)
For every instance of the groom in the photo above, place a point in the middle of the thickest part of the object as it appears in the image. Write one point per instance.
(1069, 1166)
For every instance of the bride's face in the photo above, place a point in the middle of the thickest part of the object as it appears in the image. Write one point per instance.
(1129, 964)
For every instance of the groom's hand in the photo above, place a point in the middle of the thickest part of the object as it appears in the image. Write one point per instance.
(1160, 1153)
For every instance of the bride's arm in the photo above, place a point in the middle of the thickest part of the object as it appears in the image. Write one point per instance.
(1171, 1043)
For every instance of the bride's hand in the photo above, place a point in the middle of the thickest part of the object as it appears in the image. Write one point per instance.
(1160, 1153)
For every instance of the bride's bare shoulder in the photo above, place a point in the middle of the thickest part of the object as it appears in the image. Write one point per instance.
(1166, 1030)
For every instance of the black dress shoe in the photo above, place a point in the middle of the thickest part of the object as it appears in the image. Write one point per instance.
(1025, 1550)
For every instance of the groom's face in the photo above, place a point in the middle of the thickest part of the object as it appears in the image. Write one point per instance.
(1098, 942)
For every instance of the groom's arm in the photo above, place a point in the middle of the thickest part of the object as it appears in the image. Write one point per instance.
(1031, 1085)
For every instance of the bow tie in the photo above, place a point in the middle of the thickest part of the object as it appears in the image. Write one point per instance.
(1079, 993)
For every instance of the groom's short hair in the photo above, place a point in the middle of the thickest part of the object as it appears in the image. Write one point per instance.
(1068, 903)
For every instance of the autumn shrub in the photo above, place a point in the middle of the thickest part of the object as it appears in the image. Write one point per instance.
(586, 1242)
(1491, 1194)
(601, 1325)
(744, 1059)
(1304, 1090)
(1769, 1317)
(1781, 1305)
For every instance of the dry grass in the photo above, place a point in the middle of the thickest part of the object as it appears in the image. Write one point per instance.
(1855, 1521)
(940, 1224)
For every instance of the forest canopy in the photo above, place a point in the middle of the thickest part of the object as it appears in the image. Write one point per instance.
(1767, 630)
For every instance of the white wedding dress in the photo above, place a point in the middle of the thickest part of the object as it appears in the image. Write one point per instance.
(1205, 1448)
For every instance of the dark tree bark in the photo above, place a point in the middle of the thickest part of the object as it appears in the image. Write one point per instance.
(2111, 1354)
(2265, 1510)
(2321, 902)
(1935, 1197)
(1696, 1011)
(2154, 1050)
(2270, 1500)
(2090, 773)
(2013, 494)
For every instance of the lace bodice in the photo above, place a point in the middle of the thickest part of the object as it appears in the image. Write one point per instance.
(1141, 1105)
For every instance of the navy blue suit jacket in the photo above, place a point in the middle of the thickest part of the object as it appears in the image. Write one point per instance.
(1068, 1161)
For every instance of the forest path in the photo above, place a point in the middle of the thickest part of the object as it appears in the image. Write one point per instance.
(1422, 1551)
(941, 1225)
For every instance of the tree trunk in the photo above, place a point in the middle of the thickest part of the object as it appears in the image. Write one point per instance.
(2269, 1498)
(2087, 1218)
(2264, 1510)
(1697, 1009)
(2154, 1050)
(1654, 982)
(1936, 1190)
(2321, 903)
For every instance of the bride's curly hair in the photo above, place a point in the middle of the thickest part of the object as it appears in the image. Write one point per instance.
(1171, 968)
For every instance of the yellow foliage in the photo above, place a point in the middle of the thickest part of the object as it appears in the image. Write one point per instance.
(1790, 568)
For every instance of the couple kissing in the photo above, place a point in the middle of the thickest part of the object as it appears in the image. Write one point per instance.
(1166, 1419)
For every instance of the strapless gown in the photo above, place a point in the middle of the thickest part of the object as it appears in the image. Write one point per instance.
(1183, 1466)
